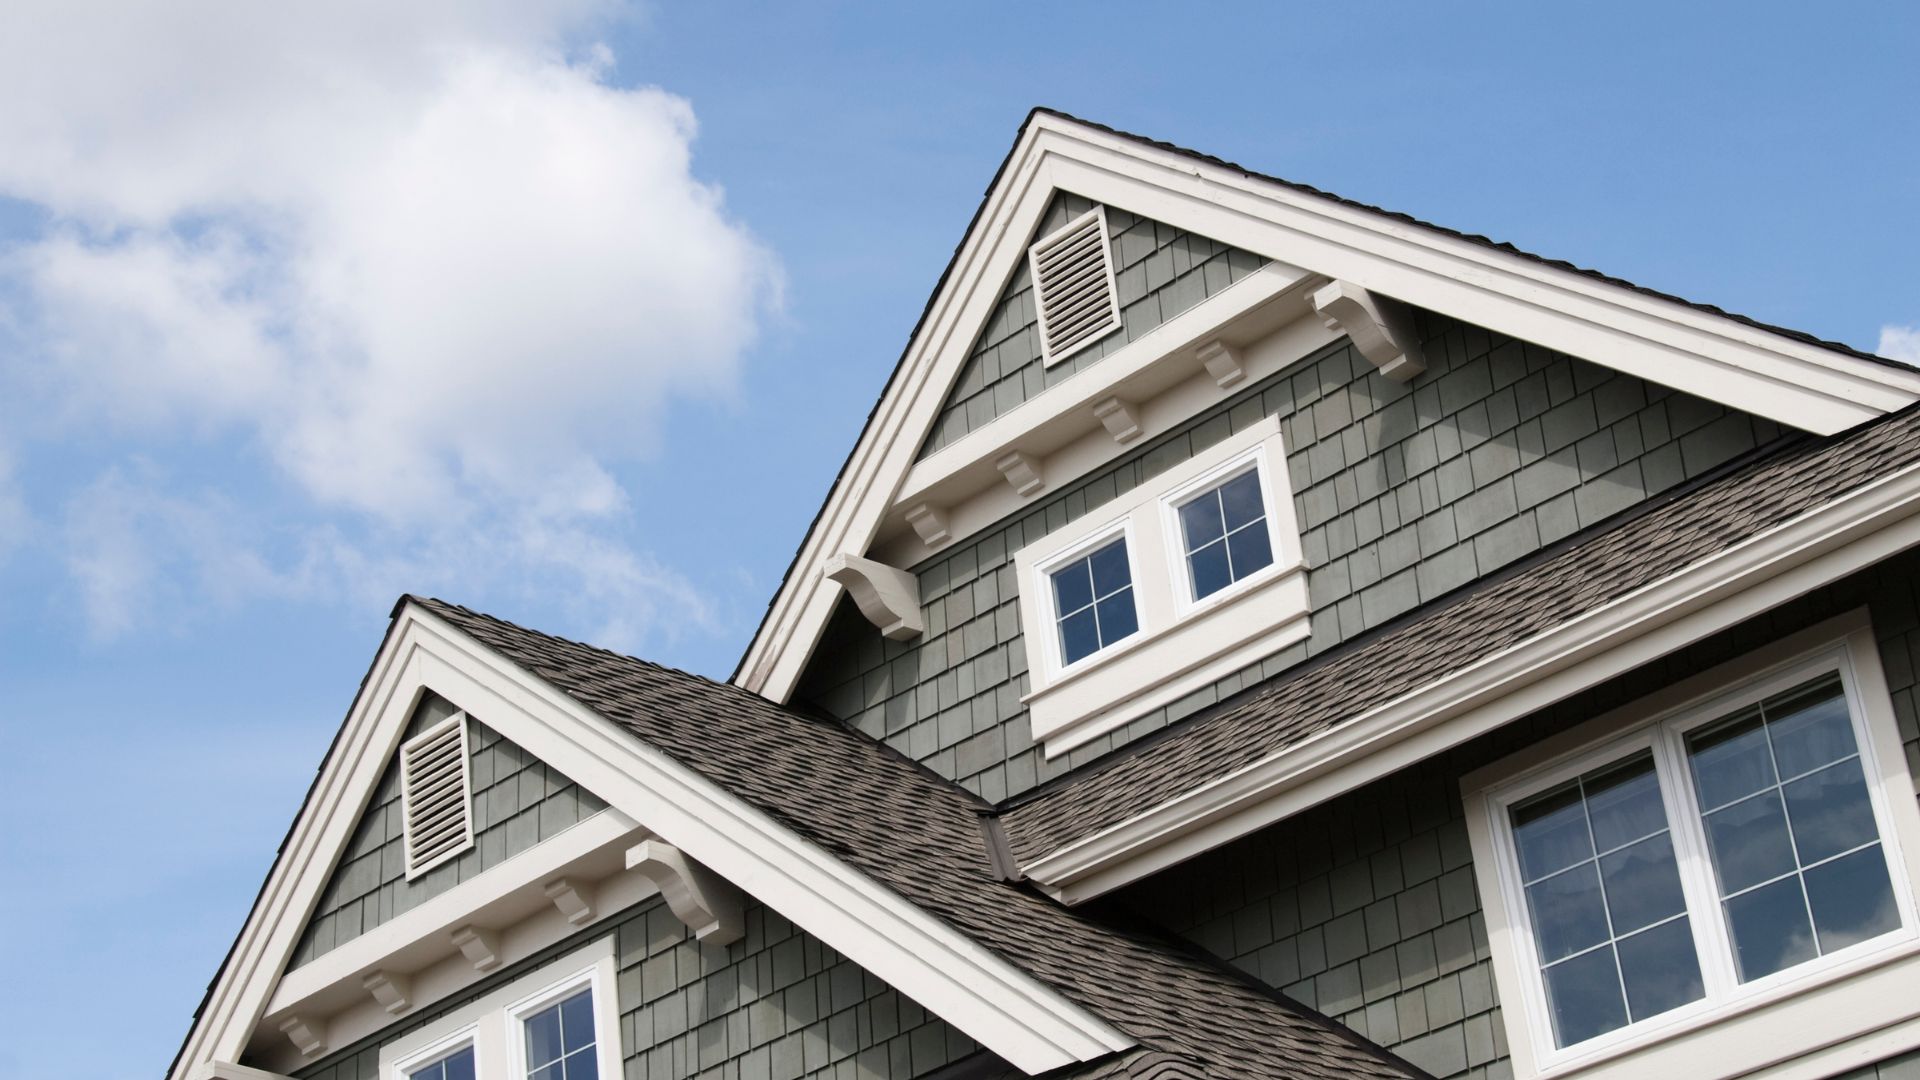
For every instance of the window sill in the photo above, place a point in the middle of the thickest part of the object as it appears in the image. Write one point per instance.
(1771, 1030)
(1135, 677)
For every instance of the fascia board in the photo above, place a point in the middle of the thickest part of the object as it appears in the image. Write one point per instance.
(1661, 340)
(238, 997)
(946, 972)
(1801, 385)
(978, 992)
(880, 461)
(1823, 545)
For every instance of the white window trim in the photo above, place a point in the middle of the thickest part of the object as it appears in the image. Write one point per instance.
(1048, 357)
(415, 870)
(1181, 646)
(1087, 544)
(493, 1024)
(1735, 1027)
(1180, 574)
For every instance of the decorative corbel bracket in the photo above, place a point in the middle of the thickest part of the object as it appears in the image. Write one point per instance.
(1222, 361)
(1022, 470)
(1380, 326)
(393, 992)
(889, 597)
(1120, 417)
(481, 947)
(303, 1036)
(709, 906)
(574, 901)
(930, 522)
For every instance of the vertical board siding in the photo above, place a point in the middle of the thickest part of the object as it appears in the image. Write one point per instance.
(1159, 272)
(517, 802)
(776, 1005)
(1404, 491)
(1366, 908)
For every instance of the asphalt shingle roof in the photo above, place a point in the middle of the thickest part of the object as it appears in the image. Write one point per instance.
(922, 837)
(1490, 616)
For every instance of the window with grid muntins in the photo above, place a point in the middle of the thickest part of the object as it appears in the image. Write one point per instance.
(1073, 286)
(1708, 853)
(1093, 601)
(436, 796)
(1225, 535)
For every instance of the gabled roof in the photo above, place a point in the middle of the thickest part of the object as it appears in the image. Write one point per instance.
(1193, 762)
(1789, 376)
(923, 837)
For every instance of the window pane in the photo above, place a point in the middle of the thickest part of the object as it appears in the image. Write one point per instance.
(1568, 912)
(1730, 760)
(460, 1065)
(1079, 636)
(1830, 811)
(1749, 842)
(1251, 549)
(1110, 569)
(1551, 832)
(1200, 520)
(1584, 996)
(1240, 500)
(555, 1071)
(1643, 884)
(543, 1037)
(1852, 899)
(576, 1021)
(1769, 929)
(1810, 727)
(1210, 571)
(1625, 803)
(1660, 969)
(1072, 588)
(583, 1065)
(1117, 618)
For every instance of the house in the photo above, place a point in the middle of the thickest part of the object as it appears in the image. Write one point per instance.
(1255, 635)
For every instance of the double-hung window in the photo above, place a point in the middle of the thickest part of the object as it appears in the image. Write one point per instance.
(1708, 861)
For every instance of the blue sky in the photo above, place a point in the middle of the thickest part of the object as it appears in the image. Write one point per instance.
(570, 311)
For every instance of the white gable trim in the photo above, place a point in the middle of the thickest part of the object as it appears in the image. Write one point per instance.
(967, 985)
(1801, 385)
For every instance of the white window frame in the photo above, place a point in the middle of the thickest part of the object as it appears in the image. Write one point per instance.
(494, 1025)
(1181, 645)
(1087, 544)
(1180, 573)
(1732, 1021)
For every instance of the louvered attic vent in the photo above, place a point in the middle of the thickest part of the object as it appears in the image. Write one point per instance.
(1073, 286)
(435, 795)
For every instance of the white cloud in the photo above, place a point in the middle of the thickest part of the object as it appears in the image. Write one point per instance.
(1900, 343)
(429, 260)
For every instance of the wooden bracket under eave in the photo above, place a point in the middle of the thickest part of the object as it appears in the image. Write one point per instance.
(1380, 327)
(709, 906)
(888, 596)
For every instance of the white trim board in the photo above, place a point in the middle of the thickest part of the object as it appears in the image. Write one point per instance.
(1801, 385)
(1825, 544)
(967, 985)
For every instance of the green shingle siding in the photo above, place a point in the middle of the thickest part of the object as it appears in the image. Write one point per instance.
(1159, 271)
(1366, 908)
(1403, 492)
(776, 1005)
(517, 802)
(1899, 1067)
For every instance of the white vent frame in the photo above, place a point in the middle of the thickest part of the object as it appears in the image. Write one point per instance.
(445, 846)
(1089, 323)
